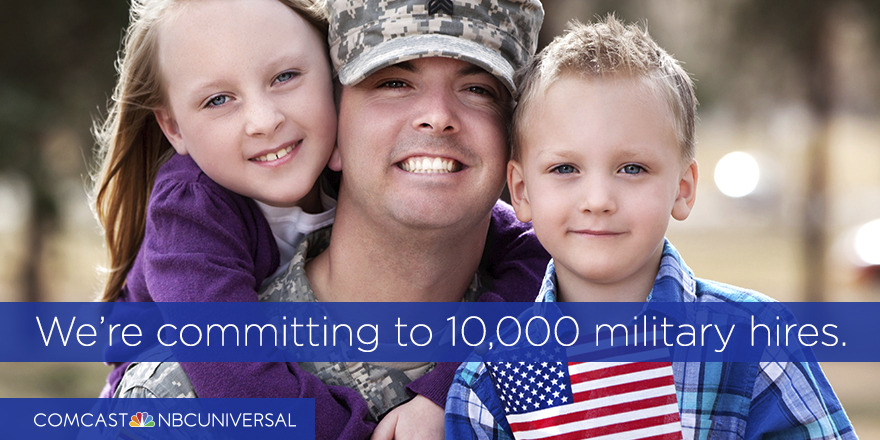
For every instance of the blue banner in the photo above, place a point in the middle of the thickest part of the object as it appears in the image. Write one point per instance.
(373, 332)
(93, 419)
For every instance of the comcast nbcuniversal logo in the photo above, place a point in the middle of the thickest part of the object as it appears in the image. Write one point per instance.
(142, 420)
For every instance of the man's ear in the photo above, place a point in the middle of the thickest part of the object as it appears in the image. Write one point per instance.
(519, 197)
(335, 163)
(687, 192)
(171, 130)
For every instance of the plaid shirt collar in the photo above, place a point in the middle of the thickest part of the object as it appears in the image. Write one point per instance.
(674, 283)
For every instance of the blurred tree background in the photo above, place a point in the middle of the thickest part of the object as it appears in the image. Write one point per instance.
(793, 83)
(57, 74)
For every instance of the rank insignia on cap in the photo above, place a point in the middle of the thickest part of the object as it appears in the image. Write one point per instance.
(435, 6)
(498, 36)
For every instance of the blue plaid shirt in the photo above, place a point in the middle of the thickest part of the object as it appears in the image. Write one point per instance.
(718, 400)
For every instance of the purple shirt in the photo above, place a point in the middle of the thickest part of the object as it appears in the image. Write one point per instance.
(204, 243)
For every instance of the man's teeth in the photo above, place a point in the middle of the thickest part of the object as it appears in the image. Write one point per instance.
(429, 165)
(274, 156)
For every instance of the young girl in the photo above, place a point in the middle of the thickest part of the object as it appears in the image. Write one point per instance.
(221, 123)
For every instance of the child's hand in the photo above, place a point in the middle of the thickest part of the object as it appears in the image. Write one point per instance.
(420, 418)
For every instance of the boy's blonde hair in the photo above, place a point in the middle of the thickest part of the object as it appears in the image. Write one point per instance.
(131, 146)
(609, 48)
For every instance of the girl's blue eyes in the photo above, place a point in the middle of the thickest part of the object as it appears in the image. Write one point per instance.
(223, 99)
(217, 101)
(286, 76)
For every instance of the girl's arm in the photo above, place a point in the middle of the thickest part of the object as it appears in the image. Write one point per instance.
(513, 259)
(205, 244)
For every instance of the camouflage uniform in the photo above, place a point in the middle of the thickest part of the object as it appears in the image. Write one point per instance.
(383, 385)
(497, 35)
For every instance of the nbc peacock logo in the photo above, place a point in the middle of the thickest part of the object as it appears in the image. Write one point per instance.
(142, 420)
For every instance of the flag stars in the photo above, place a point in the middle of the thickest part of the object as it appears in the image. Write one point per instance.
(535, 386)
(529, 386)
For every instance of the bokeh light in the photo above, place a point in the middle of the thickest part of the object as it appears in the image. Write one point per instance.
(867, 243)
(737, 174)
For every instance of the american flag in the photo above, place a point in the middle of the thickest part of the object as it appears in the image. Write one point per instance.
(595, 400)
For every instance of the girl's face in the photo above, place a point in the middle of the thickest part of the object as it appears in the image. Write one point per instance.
(249, 96)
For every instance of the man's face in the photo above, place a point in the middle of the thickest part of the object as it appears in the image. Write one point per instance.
(423, 144)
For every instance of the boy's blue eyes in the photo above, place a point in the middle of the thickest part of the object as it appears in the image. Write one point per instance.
(569, 169)
(632, 169)
(563, 169)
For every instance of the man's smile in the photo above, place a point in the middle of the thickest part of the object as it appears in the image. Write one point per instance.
(426, 164)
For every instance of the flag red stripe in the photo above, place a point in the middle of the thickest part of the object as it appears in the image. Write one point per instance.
(617, 428)
(670, 436)
(594, 413)
(624, 388)
(634, 406)
(617, 370)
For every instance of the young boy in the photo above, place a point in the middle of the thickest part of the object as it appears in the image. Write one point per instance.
(603, 154)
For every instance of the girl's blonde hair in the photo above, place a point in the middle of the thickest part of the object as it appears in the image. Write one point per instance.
(131, 146)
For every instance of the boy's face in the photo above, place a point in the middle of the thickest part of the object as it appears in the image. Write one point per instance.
(599, 175)
(249, 96)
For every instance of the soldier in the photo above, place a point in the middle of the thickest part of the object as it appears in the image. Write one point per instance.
(425, 104)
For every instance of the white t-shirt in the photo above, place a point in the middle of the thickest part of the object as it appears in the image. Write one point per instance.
(290, 225)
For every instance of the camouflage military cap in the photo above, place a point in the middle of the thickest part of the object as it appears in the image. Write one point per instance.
(497, 35)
